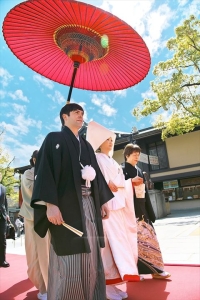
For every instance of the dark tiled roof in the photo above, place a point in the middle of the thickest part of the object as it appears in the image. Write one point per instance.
(21, 170)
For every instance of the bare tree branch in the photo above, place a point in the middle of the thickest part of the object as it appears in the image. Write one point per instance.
(190, 84)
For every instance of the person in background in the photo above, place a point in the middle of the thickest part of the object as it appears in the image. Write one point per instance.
(37, 248)
(20, 225)
(70, 189)
(4, 217)
(120, 254)
(149, 255)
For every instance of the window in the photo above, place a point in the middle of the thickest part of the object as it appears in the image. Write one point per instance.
(158, 149)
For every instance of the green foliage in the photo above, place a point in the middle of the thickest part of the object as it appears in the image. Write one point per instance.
(8, 179)
(177, 83)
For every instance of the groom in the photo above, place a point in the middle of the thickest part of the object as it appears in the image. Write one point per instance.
(75, 266)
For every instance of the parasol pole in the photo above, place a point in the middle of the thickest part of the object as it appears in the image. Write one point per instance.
(76, 66)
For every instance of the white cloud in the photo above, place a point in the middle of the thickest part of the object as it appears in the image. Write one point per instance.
(19, 108)
(148, 94)
(2, 94)
(57, 125)
(192, 8)
(44, 81)
(18, 95)
(132, 12)
(108, 123)
(141, 16)
(21, 78)
(39, 139)
(24, 122)
(57, 97)
(162, 114)
(4, 104)
(120, 93)
(182, 2)
(83, 105)
(105, 109)
(5, 77)
(157, 21)
(21, 124)
(22, 152)
(97, 101)
(9, 128)
(165, 115)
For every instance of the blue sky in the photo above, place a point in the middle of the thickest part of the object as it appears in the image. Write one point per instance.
(30, 103)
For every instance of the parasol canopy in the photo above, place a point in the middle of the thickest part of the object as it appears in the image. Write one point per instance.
(57, 37)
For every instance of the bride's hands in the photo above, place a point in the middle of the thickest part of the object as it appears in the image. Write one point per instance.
(105, 211)
(112, 186)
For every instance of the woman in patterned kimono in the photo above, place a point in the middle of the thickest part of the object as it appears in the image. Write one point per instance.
(120, 253)
(149, 255)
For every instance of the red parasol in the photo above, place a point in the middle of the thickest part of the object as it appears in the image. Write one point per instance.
(56, 37)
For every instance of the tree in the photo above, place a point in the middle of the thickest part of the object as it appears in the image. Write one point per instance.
(177, 83)
(8, 179)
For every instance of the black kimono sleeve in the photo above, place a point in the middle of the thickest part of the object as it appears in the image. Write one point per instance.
(148, 204)
(44, 185)
(45, 170)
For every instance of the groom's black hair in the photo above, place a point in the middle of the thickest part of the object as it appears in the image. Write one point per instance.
(68, 108)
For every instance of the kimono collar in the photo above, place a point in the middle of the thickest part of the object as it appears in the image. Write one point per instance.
(68, 130)
(132, 170)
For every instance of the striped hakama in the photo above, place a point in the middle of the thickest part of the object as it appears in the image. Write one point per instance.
(79, 276)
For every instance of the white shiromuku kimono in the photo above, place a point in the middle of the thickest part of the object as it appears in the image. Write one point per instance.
(120, 254)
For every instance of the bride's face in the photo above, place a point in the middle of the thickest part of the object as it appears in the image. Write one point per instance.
(133, 158)
(107, 146)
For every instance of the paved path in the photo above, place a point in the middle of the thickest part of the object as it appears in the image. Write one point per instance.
(178, 235)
